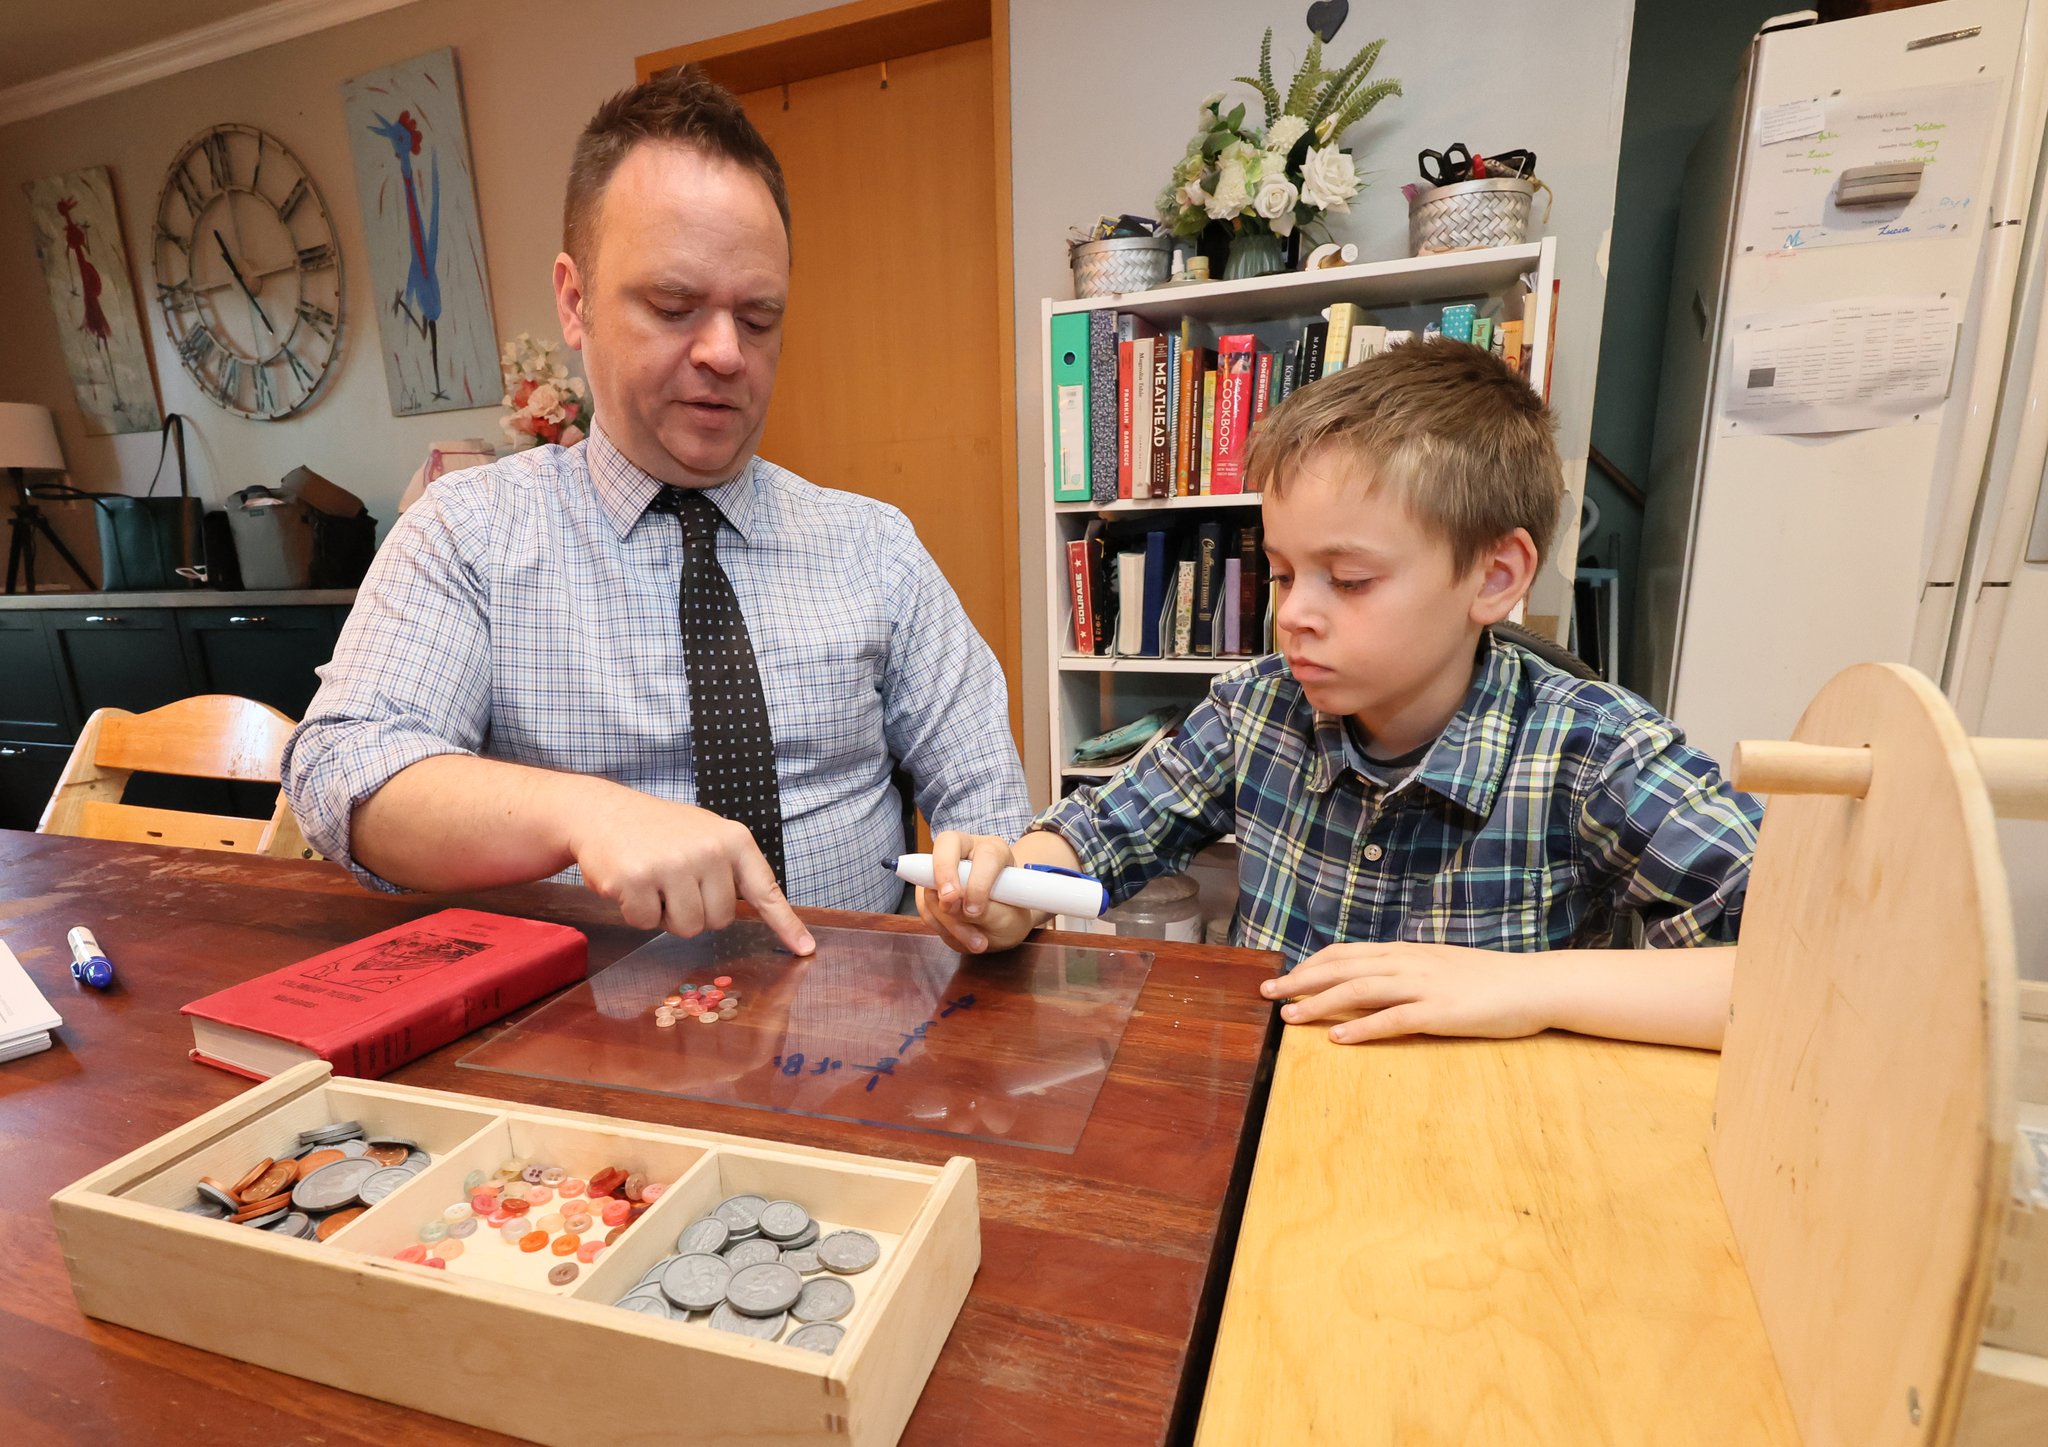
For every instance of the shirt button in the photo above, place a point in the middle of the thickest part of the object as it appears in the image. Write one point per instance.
(1373, 853)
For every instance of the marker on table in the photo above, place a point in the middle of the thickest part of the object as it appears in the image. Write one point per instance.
(88, 965)
(1029, 886)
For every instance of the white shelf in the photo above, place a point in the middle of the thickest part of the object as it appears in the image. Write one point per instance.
(1084, 663)
(1163, 504)
(1410, 279)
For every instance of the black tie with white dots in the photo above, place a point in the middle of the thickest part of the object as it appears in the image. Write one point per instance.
(734, 747)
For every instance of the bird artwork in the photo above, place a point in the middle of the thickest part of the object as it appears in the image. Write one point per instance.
(421, 229)
(85, 271)
(92, 316)
(419, 301)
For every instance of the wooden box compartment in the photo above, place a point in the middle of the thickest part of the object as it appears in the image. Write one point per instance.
(484, 1343)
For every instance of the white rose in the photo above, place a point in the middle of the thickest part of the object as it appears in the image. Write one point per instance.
(1192, 196)
(1275, 202)
(1285, 132)
(576, 388)
(1209, 106)
(544, 401)
(1232, 194)
(1328, 179)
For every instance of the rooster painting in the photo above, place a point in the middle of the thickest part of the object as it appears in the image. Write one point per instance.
(420, 299)
(85, 269)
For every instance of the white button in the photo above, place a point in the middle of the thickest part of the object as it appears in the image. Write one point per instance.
(1373, 852)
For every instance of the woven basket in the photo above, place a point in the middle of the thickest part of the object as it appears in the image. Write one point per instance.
(1122, 263)
(1470, 214)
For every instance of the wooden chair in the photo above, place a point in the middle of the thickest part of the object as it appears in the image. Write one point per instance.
(211, 736)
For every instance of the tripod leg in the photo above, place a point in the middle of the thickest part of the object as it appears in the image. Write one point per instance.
(17, 549)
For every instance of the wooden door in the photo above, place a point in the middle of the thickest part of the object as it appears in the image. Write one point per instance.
(890, 383)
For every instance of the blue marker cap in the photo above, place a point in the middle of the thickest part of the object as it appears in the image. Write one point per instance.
(88, 965)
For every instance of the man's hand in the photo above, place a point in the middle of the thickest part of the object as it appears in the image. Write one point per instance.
(964, 916)
(1379, 991)
(678, 868)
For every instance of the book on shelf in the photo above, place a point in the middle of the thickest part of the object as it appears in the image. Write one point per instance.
(1315, 340)
(1072, 441)
(1233, 411)
(1158, 420)
(1342, 316)
(1080, 593)
(1152, 600)
(1130, 603)
(1205, 573)
(1367, 340)
(1251, 561)
(1262, 384)
(1207, 460)
(1173, 365)
(1141, 416)
(1101, 583)
(1181, 608)
(1232, 607)
(1102, 417)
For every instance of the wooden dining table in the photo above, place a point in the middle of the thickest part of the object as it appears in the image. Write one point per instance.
(1102, 1270)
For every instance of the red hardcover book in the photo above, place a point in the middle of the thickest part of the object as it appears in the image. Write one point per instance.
(369, 1007)
(1233, 411)
(1160, 454)
(1078, 589)
(1124, 364)
(1262, 382)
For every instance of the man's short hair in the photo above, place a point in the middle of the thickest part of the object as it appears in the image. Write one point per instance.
(1453, 432)
(682, 107)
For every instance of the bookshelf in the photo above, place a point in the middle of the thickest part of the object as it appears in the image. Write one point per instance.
(1086, 695)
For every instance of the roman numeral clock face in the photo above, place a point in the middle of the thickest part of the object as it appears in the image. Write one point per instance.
(248, 274)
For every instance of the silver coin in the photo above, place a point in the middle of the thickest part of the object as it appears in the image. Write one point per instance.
(807, 1237)
(826, 1299)
(646, 1304)
(802, 1260)
(418, 1161)
(766, 1328)
(848, 1252)
(212, 1210)
(294, 1223)
(765, 1290)
(335, 1185)
(754, 1251)
(216, 1196)
(741, 1213)
(273, 1218)
(696, 1282)
(654, 1271)
(339, 1130)
(783, 1220)
(820, 1336)
(381, 1183)
(355, 1148)
(705, 1234)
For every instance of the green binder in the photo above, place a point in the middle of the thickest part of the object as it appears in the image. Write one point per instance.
(1070, 480)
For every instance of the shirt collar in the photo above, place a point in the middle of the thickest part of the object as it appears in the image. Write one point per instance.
(624, 491)
(1469, 760)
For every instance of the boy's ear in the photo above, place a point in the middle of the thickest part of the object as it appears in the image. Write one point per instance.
(1506, 571)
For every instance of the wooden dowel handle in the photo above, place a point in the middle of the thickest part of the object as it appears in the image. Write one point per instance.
(2015, 776)
(1777, 766)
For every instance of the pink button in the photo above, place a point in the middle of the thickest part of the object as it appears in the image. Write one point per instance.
(652, 1191)
(539, 1196)
(435, 1261)
(616, 1212)
(587, 1252)
(573, 1187)
(414, 1252)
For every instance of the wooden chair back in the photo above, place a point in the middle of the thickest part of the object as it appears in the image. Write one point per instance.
(211, 736)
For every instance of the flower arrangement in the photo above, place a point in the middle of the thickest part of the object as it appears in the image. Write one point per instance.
(1291, 172)
(548, 405)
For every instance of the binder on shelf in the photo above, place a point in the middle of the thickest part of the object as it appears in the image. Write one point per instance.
(1072, 440)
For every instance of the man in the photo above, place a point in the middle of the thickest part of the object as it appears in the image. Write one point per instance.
(653, 659)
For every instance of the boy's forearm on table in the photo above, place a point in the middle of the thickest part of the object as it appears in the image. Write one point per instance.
(1667, 997)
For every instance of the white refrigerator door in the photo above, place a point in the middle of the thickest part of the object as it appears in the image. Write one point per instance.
(1808, 552)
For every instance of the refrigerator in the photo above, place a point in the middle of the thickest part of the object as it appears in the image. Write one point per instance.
(1852, 418)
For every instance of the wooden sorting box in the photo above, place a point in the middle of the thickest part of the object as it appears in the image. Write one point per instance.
(556, 1366)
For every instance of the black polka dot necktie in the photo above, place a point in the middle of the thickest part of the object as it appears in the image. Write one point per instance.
(732, 743)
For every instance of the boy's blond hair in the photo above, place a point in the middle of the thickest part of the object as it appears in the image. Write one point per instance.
(1450, 430)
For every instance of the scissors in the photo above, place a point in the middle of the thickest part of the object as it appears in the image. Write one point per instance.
(1456, 163)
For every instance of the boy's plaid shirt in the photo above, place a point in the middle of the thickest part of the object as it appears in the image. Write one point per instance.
(1549, 811)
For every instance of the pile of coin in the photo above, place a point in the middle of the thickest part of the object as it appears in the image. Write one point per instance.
(707, 1004)
(743, 1268)
(338, 1172)
(539, 1210)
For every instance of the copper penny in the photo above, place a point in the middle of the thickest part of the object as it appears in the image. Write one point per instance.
(388, 1155)
(255, 1174)
(262, 1208)
(338, 1220)
(217, 1183)
(313, 1162)
(279, 1177)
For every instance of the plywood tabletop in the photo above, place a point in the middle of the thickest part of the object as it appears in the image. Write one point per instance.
(1476, 1241)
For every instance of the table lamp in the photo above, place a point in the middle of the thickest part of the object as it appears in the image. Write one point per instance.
(28, 443)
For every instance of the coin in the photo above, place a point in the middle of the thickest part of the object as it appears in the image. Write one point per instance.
(826, 1299)
(278, 1178)
(216, 1194)
(386, 1155)
(654, 1271)
(765, 1290)
(648, 1305)
(741, 1213)
(314, 1160)
(212, 1210)
(271, 1219)
(767, 1328)
(847, 1252)
(784, 1220)
(293, 1223)
(255, 1174)
(696, 1282)
(802, 1260)
(754, 1251)
(418, 1161)
(331, 1224)
(339, 1130)
(809, 1237)
(264, 1207)
(819, 1336)
(708, 1233)
(381, 1183)
(335, 1186)
(562, 1273)
(354, 1149)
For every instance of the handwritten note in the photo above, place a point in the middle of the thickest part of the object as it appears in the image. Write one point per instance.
(1790, 202)
(1842, 367)
(1792, 121)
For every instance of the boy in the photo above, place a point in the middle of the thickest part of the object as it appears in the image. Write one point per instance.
(1413, 797)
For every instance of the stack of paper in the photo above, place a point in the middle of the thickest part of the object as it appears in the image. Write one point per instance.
(26, 1018)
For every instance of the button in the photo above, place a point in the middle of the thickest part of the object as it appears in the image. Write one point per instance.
(1373, 853)
(448, 1250)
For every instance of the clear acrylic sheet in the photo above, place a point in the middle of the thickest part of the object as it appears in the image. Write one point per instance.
(881, 1029)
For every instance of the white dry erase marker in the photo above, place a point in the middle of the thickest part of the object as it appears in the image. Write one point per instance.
(1030, 886)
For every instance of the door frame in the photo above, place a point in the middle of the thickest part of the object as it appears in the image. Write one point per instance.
(873, 32)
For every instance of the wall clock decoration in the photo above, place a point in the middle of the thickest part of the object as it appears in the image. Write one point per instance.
(248, 273)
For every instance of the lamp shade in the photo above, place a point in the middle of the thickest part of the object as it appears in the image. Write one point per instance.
(28, 438)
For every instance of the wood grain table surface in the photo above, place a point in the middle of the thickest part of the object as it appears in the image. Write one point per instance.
(1490, 1242)
(1102, 1270)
